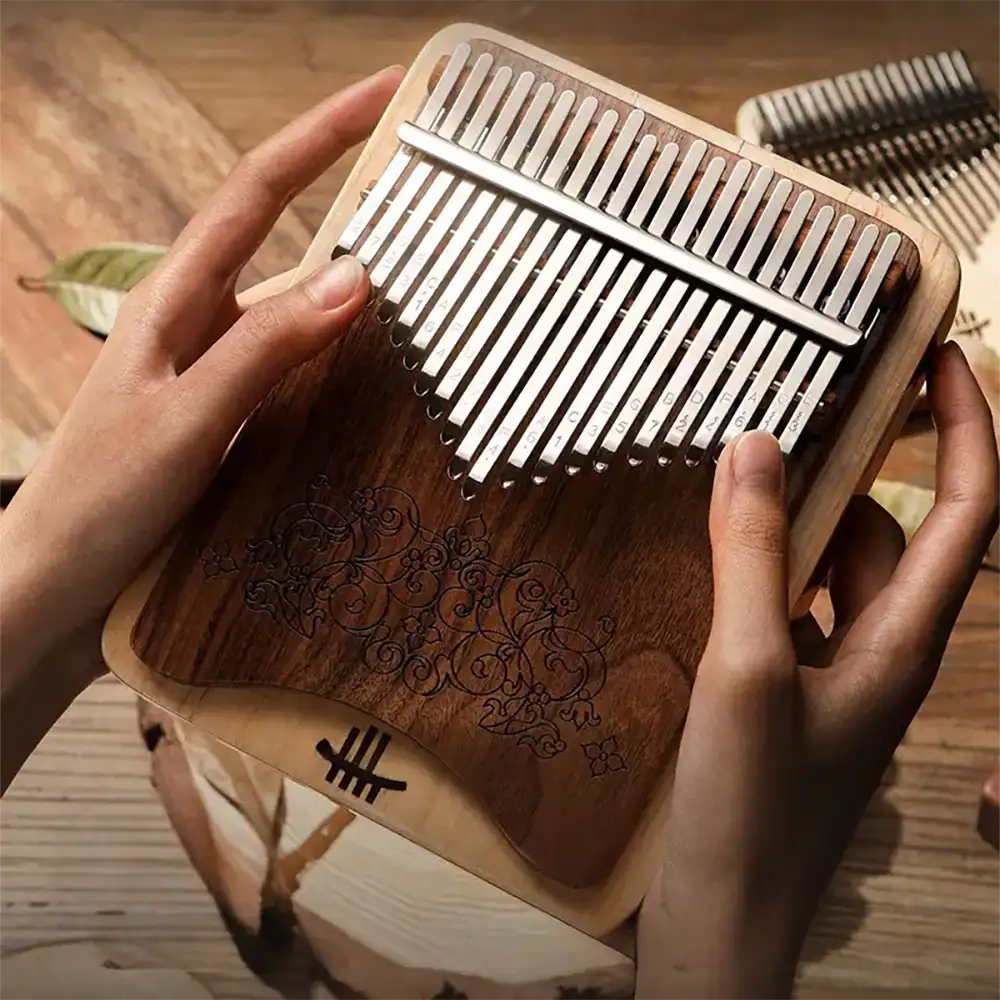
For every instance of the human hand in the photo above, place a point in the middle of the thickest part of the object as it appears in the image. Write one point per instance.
(182, 369)
(790, 731)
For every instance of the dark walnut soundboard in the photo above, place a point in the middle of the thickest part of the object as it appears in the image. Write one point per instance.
(539, 641)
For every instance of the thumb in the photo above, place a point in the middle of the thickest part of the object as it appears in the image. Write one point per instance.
(748, 527)
(273, 336)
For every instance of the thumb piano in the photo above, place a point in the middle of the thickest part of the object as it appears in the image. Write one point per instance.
(455, 573)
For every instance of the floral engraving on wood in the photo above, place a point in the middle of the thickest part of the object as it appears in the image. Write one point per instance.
(430, 608)
(603, 757)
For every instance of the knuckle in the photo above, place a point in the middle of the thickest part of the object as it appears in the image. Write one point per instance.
(256, 170)
(976, 496)
(754, 667)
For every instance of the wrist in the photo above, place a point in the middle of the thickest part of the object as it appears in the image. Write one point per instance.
(715, 942)
(38, 617)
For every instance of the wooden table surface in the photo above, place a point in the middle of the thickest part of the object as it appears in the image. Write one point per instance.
(86, 850)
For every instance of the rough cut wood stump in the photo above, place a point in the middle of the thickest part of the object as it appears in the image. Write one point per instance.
(318, 898)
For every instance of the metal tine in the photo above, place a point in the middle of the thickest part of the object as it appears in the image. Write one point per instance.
(971, 89)
(803, 260)
(896, 90)
(854, 171)
(967, 131)
(420, 173)
(810, 349)
(911, 183)
(586, 343)
(959, 165)
(981, 157)
(696, 207)
(444, 178)
(772, 363)
(412, 312)
(903, 99)
(678, 187)
(889, 183)
(946, 84)
(819, 383)
(678, 381)
(442, 225)
(612, 351)
(662, 217)
(986, 169)
(873, 281)
(668, 344)
(766, 109)
(700, 343)
(839, 163)
(469, 270)
(489, 280)
(541, 242)
(425, 119)
(786, 239)
(643, 300)
(664, 311)
(549, 322)
(908, 148)
(549, 274)
(762, 231)
(724, 205)
(703, 390)
(954, 140)
(723, 400)
(816, 161)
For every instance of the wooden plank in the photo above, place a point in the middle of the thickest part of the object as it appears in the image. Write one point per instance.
(98, 147)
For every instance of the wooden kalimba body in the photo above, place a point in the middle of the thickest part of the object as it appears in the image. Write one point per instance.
(921, 135)
(455, 573)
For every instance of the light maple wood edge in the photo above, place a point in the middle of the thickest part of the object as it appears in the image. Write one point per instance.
(435, 812)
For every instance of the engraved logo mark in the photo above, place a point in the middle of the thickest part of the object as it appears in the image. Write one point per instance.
(352, 767)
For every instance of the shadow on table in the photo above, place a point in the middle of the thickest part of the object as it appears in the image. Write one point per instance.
(843, 909)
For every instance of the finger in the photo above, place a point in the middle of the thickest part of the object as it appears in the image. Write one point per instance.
(274, 335)
(264, 289)
(862, 555)
(749, 536)
(203, 263)
(906, 628)
(232, 307)
(988, 824)
(866, 550)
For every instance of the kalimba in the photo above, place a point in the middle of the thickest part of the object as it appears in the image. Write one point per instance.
(919, 134)
(455, 573)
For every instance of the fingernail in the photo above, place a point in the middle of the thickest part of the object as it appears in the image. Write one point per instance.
(335, 283)
(757, 461)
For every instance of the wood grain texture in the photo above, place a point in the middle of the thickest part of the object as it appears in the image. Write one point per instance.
(914, 908)
(333, 516)
(98, 147)
(317, 896)
(540, 642)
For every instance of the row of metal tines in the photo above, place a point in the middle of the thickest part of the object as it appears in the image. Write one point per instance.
(921, 134)
(545, 346)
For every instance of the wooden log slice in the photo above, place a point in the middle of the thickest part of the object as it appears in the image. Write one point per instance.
(317, 898)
